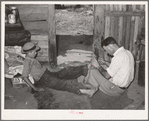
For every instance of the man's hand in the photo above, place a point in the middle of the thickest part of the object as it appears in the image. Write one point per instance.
(101, 61)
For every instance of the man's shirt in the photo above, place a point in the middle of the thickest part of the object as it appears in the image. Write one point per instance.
(121, 68)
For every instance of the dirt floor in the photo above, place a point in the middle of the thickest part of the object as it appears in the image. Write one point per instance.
(74, 48)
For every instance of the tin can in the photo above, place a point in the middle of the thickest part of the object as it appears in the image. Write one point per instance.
(11, 19)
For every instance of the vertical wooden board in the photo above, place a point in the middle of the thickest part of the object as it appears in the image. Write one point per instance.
(107, 31)
(140, 52)
(112, 23)
(141, 22)
(127, 40)
(99, 27)
(107, 7)
(141, 7)
(107, 26)
(112, 26)
(120, 26)
(116, 28)
(124, 30)
(143, 53)
(107, 34)
(52, 36)
(132, 33)
(124, 7)
(135, 49)
(116, 21)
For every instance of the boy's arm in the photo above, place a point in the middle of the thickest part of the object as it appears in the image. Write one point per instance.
(26, 79)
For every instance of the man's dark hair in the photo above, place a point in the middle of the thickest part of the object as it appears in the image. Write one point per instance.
(107, 41)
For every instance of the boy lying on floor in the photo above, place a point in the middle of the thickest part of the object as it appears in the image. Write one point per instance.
(42, 76)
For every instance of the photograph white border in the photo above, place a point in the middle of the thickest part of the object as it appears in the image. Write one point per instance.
(66, 114)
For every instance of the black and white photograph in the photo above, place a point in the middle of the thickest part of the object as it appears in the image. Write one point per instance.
(74, 60)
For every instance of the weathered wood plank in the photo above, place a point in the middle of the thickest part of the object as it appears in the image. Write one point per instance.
(98, 27)
(135, 50)
(120, 26)
(107, 26)
(127, 40)
(43, 52)
(32, 9)
(124, 7)
(30, 17)
(116, 21)
(39, 37)
(132, 33)
(143, 53)
(112, 23)
(42, 25)
(141, 22)
(139, 53)
(124, 13)
(124, 30)
(52, 36)
(43, 59)
(107, 31)
(116, 28)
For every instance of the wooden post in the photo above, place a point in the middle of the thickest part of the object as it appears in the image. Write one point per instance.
(107, 31)
(120, 32)
(131, 33)
(124, 27)
(52, 37)
(112, 22)
(127, 39)
(116, 21)
(98, 27)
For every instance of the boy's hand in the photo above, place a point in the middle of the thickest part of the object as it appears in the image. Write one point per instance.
(39, 89)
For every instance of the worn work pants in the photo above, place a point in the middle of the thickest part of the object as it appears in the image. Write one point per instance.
(52, 80)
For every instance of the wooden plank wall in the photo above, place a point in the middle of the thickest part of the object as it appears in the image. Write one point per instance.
(124, 23)
(124, 26)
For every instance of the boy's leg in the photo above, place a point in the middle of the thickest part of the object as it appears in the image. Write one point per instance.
(60, 84)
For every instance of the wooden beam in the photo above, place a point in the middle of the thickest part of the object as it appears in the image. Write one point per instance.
(124, 13)
(98, 28)
(52, 36)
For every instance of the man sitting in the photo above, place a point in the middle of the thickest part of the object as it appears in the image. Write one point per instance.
(118, 75)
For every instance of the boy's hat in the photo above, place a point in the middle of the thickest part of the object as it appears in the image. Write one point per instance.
(29, 46)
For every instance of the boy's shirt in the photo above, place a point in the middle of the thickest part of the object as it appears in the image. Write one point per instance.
(32, 67)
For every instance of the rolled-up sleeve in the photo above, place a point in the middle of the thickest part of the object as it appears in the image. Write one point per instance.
(27, 68)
